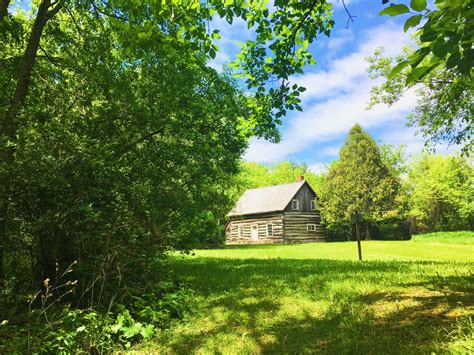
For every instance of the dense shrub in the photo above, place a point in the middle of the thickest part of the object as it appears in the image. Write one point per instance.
(50, 327)
(339, 232)
(387, 230)
(391, 230)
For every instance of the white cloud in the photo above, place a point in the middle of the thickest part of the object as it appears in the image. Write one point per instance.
(415, 143)
(341, 38)
(345, 73)
(329, 151)
(318, 168)
(336, 99)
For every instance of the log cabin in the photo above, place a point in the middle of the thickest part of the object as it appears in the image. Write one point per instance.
(279, 214)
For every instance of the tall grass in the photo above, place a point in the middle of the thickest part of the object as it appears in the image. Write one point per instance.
(463, 237)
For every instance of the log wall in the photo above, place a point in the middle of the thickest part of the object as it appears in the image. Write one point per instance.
(261, 221)
(289, 227)
(295, 227)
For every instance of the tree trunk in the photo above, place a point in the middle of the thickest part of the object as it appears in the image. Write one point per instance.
(8, 126)
(359, 248)
(367, 231)
(4, 9)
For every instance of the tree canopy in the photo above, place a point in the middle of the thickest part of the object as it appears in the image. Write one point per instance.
(118, 141)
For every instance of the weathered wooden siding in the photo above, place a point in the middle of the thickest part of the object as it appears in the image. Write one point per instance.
(262, 221)
(304, 196)
(295, 227)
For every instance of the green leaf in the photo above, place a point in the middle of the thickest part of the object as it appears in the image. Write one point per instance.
(465, 66)
(428, 34)
(394, 10)
(440, 48)
(419, 55)
(418, 5)
(412, 22)
(81, 329)
(212, 53)
(416, 74)
(398, 68)
(453, 60)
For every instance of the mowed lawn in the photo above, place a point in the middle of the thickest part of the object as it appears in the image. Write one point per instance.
(412, 296)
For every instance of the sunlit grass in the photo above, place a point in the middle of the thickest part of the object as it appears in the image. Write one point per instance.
(408, 297)
(464, 237)
(422, 247)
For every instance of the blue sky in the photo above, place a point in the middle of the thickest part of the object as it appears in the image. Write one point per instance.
(338, 89)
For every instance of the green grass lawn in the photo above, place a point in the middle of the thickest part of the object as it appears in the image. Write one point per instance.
(406, 297)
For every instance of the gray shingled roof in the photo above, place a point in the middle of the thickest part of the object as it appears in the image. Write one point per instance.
(265, 199)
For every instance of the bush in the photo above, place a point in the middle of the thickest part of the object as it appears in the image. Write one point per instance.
(339, 232)
(387, 230)
(54, 328)
(391, 230)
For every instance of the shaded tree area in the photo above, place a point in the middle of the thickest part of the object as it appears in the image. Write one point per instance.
(109, 168)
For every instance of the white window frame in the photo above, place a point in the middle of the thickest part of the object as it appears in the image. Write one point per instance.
(271, 227)
(311, 227)
(293, 208)
(240, 230)
(313, 205)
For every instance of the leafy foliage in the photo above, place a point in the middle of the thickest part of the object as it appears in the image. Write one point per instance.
(440, 68)
(442, 195)
(124, 142)
(60, 328)
(445, 36)
(444, 107)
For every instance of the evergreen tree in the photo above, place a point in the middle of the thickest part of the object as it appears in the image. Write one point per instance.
(361, 181)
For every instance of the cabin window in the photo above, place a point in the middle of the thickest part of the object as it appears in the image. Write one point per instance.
(294, 205)
(313, 205)
(241, 230)
(311, 227)
(269, 230)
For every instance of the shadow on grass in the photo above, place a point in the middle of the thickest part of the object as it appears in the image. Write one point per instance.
(311, 306)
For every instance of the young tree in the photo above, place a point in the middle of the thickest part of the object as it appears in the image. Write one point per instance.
(361, 182)
(442, 194)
